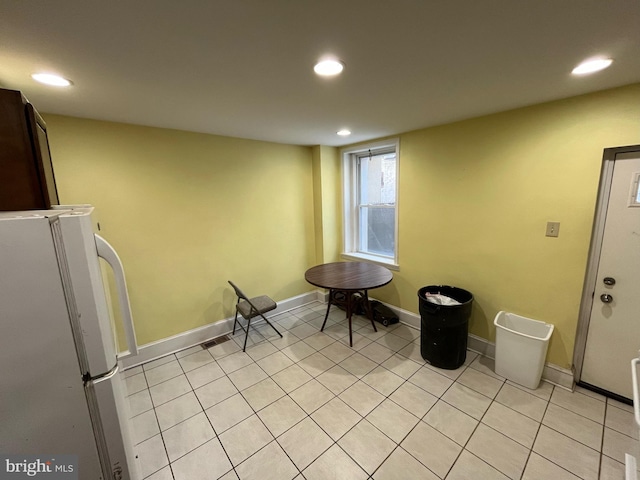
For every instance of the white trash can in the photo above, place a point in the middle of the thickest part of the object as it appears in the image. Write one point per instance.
(521, 348)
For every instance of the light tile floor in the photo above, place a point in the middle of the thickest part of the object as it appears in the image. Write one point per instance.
(308, 406)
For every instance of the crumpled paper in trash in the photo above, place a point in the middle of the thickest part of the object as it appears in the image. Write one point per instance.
(440, 299)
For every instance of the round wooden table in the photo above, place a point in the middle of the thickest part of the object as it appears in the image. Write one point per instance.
(344, 280)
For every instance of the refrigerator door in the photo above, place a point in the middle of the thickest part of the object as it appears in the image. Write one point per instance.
(82, 279)
(43, 408)
(110, 412)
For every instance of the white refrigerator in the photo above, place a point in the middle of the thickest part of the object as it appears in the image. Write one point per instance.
(61, 386)
(631, 457)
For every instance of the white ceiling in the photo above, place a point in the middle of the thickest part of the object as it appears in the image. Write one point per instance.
(244, 68)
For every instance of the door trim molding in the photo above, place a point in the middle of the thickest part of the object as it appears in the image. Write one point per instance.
(597, 234)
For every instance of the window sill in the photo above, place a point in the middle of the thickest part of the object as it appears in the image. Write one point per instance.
(387, 263)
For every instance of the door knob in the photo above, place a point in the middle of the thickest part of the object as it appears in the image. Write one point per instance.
(609, 281)
(606, 298)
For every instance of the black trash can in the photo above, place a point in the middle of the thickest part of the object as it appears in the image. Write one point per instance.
(444, 328)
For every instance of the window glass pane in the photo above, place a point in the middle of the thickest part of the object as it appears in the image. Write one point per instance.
(377, 187)
(377, 227)
(377, 178)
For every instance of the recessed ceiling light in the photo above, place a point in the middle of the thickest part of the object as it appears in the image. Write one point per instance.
(591, 66)
(51, 79)
(328, 68)
(344, 132)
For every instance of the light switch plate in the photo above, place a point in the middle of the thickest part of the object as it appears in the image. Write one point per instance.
(553, 229)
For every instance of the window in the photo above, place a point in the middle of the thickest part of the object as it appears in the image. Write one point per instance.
(370, 175)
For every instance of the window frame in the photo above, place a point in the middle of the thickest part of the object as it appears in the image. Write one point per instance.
(351, 206)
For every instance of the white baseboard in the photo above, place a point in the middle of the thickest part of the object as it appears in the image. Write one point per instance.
(551, 373)
(190, 338)
(481, 345)
(558, 376)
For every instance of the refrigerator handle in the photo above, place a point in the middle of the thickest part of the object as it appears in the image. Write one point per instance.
(107, 252)
(636, 390)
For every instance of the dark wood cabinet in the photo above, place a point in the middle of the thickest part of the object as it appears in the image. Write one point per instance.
(26, 173)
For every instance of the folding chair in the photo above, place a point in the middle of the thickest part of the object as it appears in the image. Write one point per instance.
(250, 308)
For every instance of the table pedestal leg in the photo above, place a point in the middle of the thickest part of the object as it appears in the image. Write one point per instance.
(346, 298)
(369, 310)
(328, 308)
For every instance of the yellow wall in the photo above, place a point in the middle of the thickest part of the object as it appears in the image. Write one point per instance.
(327, 203)
(332, 213)
(189, 211)
(475, 196)
(317, 203)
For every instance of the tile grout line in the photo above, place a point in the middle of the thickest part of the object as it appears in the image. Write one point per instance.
(387, 397)
(421, 419)
(378, 342)
(335, 442)
(464, 447)
(202, 408)
(307, 415)
(166, 452)
(536, 435)
(541, 424)
(255, 412)
(335, 396)
(604, 422)
(217, 437)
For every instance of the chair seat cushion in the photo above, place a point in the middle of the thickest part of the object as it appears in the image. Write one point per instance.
(263, 304)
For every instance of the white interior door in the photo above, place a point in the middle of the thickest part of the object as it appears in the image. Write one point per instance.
(613, 337)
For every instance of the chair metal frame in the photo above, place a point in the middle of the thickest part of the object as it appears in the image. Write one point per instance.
(253, 312)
